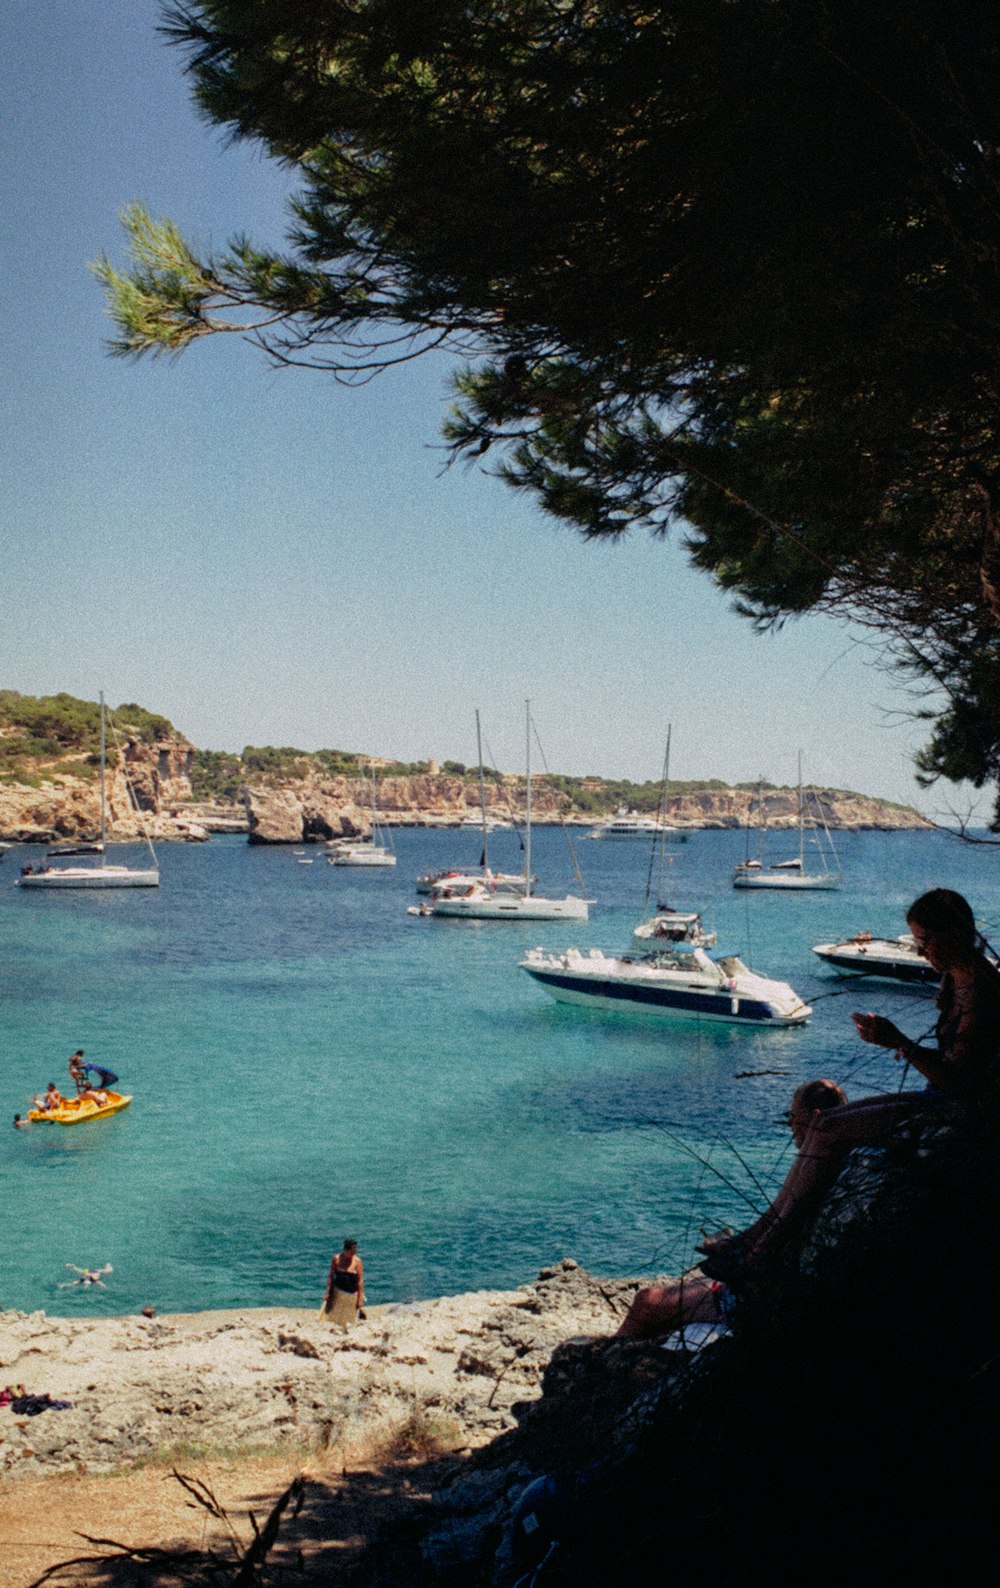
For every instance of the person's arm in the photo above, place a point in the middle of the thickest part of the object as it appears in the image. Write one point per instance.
(361, 1284)
(934, 1066)
(329, 1282)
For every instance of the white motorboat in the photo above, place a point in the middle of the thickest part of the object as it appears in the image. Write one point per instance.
(365, 851)
(629, 824)
(478, 899)
(101, 874)
(792, 873)
(678, 983)
(896, 958)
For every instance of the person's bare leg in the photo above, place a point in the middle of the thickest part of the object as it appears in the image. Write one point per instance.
(828, 1136)
(659, 1309)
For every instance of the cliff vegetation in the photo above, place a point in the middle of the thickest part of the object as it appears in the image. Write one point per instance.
(49, 757)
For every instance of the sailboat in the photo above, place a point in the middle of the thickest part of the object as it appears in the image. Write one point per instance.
(667, 924)
(456, 875)
(789, 874)
(100, 874)
(367, 851)
(474, 899)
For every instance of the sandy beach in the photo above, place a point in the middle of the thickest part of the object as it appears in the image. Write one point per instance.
(260, 1394)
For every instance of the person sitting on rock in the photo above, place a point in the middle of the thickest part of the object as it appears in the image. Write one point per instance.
(696, 1297)
(962, 1065)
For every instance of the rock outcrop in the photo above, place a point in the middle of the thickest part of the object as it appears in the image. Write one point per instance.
(242, 1379)
(778, 808)
(309, 810)
(60, 805)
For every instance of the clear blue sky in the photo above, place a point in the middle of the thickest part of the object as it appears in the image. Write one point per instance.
(267, 558)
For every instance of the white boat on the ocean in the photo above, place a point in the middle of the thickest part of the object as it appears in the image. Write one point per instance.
(513, 880)
(628, 824)
(453, 876)
(792, 873)
(475, 899)
(896, 958)
(678, 983)
(363, 851)
(99, 873)
(667, 924)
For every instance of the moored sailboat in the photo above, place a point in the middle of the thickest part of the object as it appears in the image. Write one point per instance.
(102, 874)
(667, 924)
(481, 900)
(458, 876)
(365, 851)
(792, 873)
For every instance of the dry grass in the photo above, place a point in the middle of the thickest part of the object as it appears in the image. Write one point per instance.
(349, 1496)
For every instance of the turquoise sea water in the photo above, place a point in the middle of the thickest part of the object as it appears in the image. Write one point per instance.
(308, 1061)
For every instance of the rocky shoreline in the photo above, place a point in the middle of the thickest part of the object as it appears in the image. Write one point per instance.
(256, 1378)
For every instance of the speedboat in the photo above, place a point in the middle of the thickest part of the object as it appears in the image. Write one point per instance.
(74, 1110)
(897, 958)
(672, 982)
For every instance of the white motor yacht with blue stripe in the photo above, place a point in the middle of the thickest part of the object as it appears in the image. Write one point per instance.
(677, 982)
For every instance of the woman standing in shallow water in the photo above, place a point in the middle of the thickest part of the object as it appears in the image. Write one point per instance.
(345, 1287)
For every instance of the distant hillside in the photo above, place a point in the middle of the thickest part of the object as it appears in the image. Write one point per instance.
(49, 756)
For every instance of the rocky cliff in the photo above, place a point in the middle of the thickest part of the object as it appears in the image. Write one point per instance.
(316, 808)
(60, 804)
(711, 806)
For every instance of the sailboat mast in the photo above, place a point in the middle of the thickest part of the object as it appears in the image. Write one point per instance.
(664, 800)
(482, 791)
(802, 839)
(103, 759)
(527, 800)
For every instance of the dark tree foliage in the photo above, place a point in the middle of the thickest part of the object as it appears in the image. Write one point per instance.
(727, 264)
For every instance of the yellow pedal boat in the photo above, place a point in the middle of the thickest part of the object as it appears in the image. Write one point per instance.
(74, 1110)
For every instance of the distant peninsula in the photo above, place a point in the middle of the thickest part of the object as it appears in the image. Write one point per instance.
(160, 783)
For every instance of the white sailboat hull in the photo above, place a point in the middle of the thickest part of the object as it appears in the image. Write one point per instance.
(100, 875)
(90, 877)
(362, 856)
(785, 879)
(500, 906)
